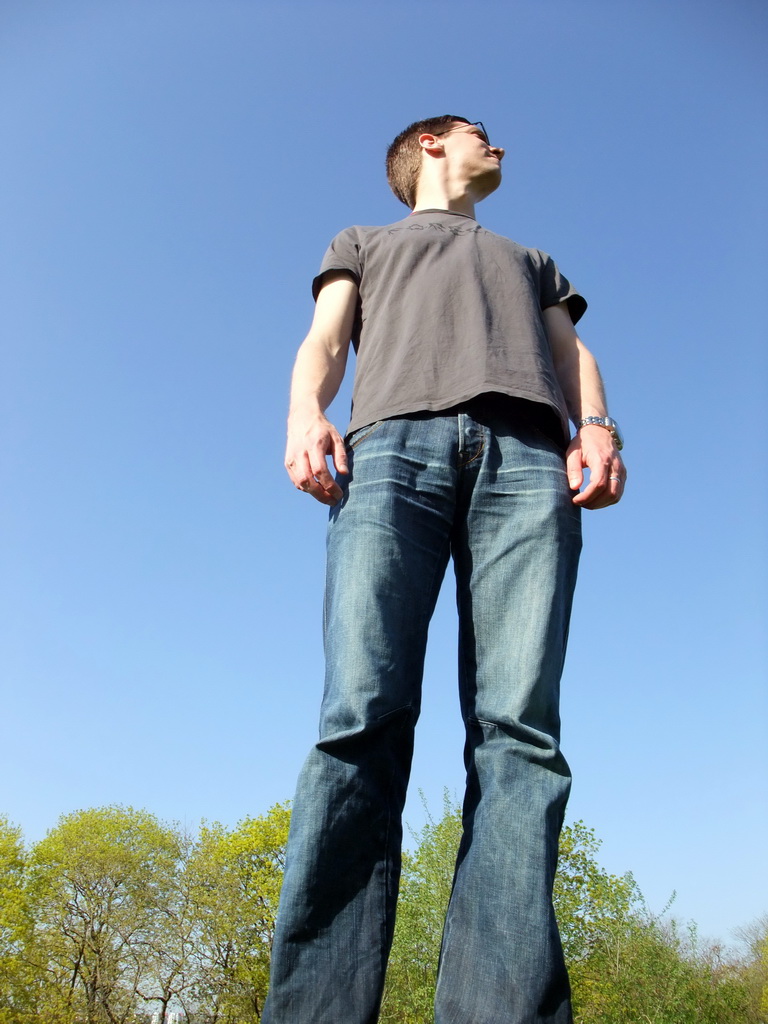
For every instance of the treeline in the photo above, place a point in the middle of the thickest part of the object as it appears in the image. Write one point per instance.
(627, 965)
(116, 916)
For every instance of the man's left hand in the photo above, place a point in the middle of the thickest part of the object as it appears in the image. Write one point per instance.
(593, 448)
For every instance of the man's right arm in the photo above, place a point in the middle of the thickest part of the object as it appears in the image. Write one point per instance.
(317, 376)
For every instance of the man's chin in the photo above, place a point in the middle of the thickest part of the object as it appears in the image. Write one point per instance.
(488, 183)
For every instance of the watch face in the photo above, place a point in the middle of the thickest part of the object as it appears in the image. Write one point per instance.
(613, 426)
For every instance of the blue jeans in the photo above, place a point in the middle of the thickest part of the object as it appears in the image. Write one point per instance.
(495, 497)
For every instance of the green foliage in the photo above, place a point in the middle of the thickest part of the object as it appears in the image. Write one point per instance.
(18, 982)
(95, 886)
(425, 889)
(588, 901)
(116, 915)
(626, 966)
(649, 971)
(236, 887)
(755, 939)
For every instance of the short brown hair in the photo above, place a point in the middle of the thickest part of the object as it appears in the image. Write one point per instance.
(404, 156)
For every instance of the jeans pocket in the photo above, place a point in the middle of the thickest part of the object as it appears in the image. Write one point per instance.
(358, 436)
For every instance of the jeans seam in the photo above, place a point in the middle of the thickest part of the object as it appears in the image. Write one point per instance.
(474, 720)
(477, 455)
(395, 711)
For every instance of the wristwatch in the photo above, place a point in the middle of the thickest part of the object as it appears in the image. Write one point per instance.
(608, 423)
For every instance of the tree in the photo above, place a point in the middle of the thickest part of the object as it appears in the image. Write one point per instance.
(593, 908)
(235, 885)
(166, 949)
(651, 970)
(116, 914)
(627, 966)
(588, 901)
(17, 991)
(96, 883)
(754, 969)
(425, 889)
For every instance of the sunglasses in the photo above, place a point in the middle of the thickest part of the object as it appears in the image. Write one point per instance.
(471, 124)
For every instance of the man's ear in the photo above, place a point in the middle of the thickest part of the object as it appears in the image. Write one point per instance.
(431, 143)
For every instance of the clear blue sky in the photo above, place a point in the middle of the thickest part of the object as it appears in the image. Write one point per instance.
(172, 173)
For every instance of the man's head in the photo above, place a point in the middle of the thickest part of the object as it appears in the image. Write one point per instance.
(405, 154)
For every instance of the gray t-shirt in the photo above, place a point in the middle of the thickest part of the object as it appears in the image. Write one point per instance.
(447, 311)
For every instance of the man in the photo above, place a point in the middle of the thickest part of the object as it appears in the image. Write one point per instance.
(468, 367)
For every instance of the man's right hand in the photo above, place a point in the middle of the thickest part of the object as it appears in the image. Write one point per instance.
(310, 442)
(317, 375)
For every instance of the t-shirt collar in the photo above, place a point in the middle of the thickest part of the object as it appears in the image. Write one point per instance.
(448, 213)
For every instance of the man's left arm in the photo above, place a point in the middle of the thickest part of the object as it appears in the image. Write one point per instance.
(593, 445)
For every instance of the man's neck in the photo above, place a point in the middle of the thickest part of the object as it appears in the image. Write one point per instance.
(439, 196)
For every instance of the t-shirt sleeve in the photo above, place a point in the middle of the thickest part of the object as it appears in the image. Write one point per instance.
(555, 288)
(343, 254)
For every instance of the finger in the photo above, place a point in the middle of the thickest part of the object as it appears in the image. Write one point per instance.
(298, 470)
(600, 495)
(319, 493)
(574, 469)
(323, 480)
(602, 465)
(590, 497)
(340, 454)
(616, 482)
(323, 496)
